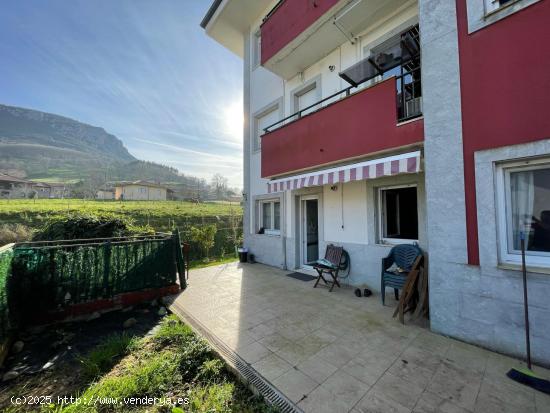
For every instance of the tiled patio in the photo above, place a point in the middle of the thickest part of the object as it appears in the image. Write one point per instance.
(334, 352)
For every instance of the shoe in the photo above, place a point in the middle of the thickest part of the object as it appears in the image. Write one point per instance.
(357, 292)
(367, 292)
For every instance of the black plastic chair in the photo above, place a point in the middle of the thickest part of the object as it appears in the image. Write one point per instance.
(404, 256)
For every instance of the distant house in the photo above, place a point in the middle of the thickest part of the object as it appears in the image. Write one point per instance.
(40, 189)
(105, 194)
(58, 190)
(13, 187)
(140, 191)
(49, 190)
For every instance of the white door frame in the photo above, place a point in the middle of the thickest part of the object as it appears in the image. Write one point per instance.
(303, 229)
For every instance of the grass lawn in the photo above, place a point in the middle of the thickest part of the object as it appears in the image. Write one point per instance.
(172, 364)
(202, 264)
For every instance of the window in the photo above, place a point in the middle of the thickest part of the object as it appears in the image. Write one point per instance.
(307, 95)
(524, 207)
(493, 5)
(270, 217)
(257, 49)
(263, 119)
(398, 214)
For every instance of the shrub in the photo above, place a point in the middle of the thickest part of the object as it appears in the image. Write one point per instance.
(205, 237)
(14, 233)
(210, 371)
(81, 226)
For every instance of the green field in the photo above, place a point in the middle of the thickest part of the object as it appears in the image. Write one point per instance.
(159, 215)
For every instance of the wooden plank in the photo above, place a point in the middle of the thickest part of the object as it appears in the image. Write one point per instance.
(408, 290)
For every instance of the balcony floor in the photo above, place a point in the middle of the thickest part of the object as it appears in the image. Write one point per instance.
(334, 352)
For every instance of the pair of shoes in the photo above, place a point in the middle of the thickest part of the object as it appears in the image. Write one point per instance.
(366, 292)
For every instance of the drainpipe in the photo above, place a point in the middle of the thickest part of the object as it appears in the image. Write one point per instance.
(285, 266)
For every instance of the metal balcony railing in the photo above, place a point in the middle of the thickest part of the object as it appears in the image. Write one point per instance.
(409, 104)
(404, 66)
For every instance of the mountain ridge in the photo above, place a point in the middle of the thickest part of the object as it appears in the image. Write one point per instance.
(47, 147)
(22, 126)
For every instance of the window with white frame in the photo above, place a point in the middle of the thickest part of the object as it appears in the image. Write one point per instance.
(307, 95)
(263, 119)
(524, 209)
(256, 49)
(493, 5)
(398, 214)
(270, 217)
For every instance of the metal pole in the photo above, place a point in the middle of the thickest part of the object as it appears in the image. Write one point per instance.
(525, 301)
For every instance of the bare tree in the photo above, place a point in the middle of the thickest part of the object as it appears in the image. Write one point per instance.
(219, 184)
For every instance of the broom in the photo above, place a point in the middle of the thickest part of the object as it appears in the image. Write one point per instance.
(527, 376)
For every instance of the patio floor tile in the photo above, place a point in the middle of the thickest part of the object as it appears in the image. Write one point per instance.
(295, 384)
(316, 368)
(339, 393)
(271, 366)
(347, 354)
(254, 352)
(431, 403)
(402, 391)
(377, 402)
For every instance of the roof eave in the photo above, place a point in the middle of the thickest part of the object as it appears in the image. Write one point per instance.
(210, 13)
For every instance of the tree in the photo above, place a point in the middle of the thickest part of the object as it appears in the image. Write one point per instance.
(205, 237)
(219, 184)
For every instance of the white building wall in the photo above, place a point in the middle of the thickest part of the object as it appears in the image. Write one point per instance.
(359, 235)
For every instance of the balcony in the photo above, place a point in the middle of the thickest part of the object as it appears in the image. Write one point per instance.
(348, 125)
(359, 124)
(297, 33)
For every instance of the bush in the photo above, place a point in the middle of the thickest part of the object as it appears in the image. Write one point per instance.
(14, 233)
(211, 371)
(205, 237)
(82, 226)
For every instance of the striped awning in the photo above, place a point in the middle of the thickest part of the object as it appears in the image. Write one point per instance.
(405, 163)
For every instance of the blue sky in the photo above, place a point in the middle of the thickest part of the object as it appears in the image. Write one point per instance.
(143, 70)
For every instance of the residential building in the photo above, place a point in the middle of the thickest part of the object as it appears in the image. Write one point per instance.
(140, 191)
(14, 187)
(375, 123)
(49, 190)
(40, 190)
(59, 190)
(105, 194)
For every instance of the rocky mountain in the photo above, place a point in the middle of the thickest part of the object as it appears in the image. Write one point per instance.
(43, 143)
(43, 146)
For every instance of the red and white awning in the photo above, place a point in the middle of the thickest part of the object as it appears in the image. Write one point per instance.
(405, 163)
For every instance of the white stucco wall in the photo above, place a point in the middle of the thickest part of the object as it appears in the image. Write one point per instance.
(140, 193)
(359, 235)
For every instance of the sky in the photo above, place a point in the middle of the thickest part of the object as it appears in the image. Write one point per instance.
(144, 70)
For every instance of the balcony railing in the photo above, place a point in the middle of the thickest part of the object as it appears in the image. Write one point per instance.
(403, 58)
(409, 104)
